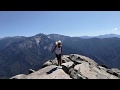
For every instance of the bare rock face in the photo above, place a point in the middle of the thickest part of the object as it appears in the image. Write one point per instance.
(20, 76)
(92, 72)
(114, 71)
(74, 66)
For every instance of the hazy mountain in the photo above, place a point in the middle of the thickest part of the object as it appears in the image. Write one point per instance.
(8, 40)
(101, 36)
(86, 37)
(108, 36)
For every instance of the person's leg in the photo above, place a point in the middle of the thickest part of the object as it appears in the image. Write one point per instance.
(58, 59)
(58, 62)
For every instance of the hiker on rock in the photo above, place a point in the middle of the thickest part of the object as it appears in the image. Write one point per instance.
(58, 52)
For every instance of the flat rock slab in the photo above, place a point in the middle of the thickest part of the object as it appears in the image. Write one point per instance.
(49, 72)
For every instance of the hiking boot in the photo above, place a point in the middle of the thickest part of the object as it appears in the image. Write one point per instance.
(59, 67)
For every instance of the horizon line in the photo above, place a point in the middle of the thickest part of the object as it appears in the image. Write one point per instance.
(59, 34)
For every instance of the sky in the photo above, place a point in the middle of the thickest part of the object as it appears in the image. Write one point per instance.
(69, 23)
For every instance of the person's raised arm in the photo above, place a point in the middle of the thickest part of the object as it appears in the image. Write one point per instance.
(54, 49)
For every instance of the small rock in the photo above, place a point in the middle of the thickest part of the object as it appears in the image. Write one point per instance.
(103, 65)
(48, 63)
(31, 71)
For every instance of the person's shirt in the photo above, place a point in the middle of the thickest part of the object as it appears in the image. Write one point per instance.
(58, 50)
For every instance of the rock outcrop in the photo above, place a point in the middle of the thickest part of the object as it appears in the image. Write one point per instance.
(74, 66)
(49, 72)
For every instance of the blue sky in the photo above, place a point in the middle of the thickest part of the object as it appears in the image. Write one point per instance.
(70, 23)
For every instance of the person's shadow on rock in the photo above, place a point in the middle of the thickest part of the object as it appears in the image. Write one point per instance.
(49, 72)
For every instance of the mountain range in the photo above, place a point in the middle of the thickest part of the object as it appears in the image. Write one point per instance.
(19, 53)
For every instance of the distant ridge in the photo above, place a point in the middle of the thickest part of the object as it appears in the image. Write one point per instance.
(102, 36)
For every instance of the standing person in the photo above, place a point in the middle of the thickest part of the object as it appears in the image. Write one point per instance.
(58, 51)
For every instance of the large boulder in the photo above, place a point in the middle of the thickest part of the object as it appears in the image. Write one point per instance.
(78, 59)
(67, 66)
(92, 72)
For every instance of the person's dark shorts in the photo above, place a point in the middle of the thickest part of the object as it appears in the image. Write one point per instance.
(58, 56)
